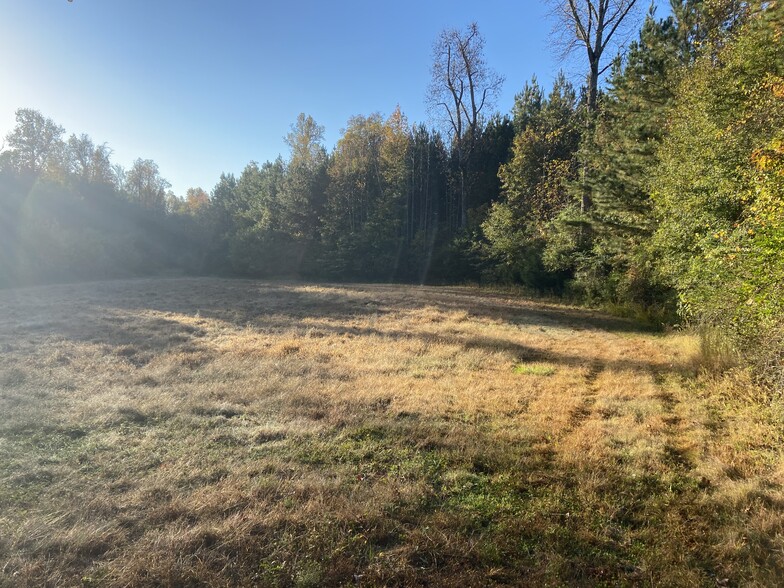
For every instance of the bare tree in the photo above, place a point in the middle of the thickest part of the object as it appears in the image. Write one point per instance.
(594, 25)
(462, 88)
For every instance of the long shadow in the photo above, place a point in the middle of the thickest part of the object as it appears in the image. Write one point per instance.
(127, 314)
(523, 353)
(98, 313)
(243, 301)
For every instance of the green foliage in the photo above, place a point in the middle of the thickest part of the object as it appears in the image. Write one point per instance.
(66, 214)
(365, 197)
(424, 206)
(493, 149)
(256, 243)
(35, 142)
(534, 182)
(719, 189)
(302, 191)
(145, 186)
(605, 244)
(668, 196)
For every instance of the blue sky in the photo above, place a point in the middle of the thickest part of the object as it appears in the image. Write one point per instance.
(205, 86)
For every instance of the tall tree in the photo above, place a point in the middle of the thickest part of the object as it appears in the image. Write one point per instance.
(34, 141)
(88, 161)
(705, 25)
(354, 187)
(303, 193)
(305, 140)
(462, 88)
(493, 149)
(425, 203)
(224, 197)
(146, 186)
(534, 182)
(595, 26)
(369, 180)
(623, 152)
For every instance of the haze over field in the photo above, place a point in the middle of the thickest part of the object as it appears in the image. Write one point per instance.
(481, 321)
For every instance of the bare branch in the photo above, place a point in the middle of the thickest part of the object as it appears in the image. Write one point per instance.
(617, 22)
(461, 88)
(597, 27)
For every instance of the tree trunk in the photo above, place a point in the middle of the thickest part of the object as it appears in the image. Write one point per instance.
(462, 197)
(593, 98)
(593, 87)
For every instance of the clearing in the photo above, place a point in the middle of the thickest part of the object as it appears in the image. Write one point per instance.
(183, 432)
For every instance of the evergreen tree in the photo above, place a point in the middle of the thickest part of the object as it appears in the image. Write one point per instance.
(493, 149)
(534, 182)
(620, 153)
(256, 243)
(425, 203)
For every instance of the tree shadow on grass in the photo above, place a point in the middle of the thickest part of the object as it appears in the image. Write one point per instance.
(520, 517)
(126, 315)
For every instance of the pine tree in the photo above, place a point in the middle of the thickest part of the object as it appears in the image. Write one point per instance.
(621, 153)
(605, 247)
(534, 182)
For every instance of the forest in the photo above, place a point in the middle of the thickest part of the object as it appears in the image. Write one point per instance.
(657, 193)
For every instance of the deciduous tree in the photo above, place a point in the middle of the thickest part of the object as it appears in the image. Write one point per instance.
(89, 162)
(535, 181)
(462, 89)
(34, 141)
(303, 192)
(718, 191)
(597, 27)
(146, 186)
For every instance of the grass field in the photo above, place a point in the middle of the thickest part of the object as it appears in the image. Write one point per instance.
(183, 432)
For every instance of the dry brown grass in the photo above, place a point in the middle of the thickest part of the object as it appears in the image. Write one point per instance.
(237, 433)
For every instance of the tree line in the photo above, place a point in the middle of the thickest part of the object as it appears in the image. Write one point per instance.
(660, 193)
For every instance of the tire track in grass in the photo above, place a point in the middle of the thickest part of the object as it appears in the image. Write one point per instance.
(581, 413)
(676, 447)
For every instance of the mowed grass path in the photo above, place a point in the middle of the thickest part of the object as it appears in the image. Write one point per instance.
(186, 432)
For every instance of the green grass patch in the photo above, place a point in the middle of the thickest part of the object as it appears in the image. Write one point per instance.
(535, 369)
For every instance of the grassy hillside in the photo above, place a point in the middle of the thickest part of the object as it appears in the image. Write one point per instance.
(205, 432)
